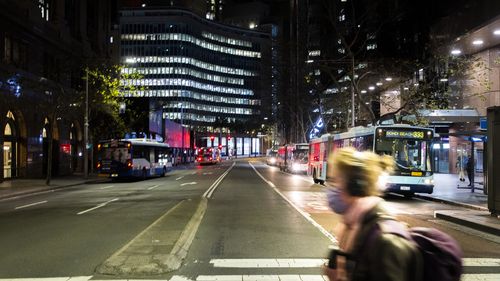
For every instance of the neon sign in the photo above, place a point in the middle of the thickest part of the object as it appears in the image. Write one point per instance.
(316, 129)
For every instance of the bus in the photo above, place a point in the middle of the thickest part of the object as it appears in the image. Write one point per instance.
(133, 158)
(410, 147)
(293, 157)
(208, 155)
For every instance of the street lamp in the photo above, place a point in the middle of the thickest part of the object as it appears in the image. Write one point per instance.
(86, 128)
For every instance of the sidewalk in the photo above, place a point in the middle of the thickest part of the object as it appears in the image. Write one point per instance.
(19, 187)
(448, 189)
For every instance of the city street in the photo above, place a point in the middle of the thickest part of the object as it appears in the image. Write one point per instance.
(259, 224)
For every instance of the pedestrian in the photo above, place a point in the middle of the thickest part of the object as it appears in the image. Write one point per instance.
(363, 253)
(470, 170)
(461, 163)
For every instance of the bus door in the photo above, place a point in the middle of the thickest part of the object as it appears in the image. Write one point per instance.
(152, 158)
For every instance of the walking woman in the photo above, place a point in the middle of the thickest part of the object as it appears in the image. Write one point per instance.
(365, 252)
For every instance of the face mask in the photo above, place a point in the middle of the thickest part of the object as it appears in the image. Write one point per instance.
(335, 201)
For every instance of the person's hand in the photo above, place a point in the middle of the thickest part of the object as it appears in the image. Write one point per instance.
(330, 273)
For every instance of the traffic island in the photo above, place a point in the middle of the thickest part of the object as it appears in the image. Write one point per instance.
(479, 220)
(160, 248)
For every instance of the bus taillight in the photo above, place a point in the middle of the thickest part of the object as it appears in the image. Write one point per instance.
(199, 159)
(129, 163)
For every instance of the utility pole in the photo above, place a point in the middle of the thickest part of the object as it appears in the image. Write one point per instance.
(353, 114)
(86, 128)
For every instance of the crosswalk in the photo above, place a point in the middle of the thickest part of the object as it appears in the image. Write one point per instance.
(280, 265)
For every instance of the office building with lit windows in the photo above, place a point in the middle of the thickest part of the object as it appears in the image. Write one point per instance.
(198, 72)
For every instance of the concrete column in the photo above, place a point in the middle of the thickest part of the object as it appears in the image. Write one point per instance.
(493, 186)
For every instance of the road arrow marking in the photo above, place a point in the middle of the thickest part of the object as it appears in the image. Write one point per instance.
(189, 183)
(97, 207)
(179, 178)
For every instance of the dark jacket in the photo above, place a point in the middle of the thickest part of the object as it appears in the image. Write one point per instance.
(383, 256)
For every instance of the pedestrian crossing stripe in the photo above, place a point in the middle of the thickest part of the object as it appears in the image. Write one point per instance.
(284, 277)
(267, 263)
(280, 263)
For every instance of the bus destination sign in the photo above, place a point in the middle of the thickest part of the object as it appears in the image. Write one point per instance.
(406, 134)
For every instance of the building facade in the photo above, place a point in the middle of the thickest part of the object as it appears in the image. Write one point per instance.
(43, 44)
(199, 73)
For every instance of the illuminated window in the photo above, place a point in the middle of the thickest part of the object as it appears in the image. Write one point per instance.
(44, 6)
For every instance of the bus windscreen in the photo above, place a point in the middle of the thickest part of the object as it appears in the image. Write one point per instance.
(411, 155)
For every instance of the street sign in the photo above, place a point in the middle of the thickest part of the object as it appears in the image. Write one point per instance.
(483, 124)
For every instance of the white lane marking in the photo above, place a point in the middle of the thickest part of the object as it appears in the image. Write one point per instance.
(29, 205)
(214, 185)
(108, 186)
(268, 263)
(481, 262)
(189, 183)
(97, 207)
(179, 178)
(304, 214)
(194, 173)
(209, 173)
(480, 277)
(153, 187)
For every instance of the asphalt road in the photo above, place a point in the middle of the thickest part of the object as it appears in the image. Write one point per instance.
(260, 224)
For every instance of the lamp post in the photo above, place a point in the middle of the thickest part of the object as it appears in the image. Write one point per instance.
(86, 128)
(353, 107)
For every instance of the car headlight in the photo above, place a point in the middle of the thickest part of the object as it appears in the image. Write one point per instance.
(429, 181)
(295, 166)
(272, 160)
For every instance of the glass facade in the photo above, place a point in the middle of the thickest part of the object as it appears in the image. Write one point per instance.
(197, 71)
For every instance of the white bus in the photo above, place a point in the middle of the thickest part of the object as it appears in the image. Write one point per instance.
(293, 157)
(410, 147)
(133, 158)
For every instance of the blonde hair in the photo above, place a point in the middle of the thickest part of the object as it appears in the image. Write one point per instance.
(362, 170)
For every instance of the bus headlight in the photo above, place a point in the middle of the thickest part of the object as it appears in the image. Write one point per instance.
(429, 181)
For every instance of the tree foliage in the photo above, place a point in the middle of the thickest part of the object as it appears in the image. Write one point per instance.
(107, 85)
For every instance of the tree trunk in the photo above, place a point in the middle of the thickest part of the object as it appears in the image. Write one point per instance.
(50, 138)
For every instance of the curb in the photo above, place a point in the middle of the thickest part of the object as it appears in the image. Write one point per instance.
(181, 247)
(467, 222)
(451, 202)
(44, 189)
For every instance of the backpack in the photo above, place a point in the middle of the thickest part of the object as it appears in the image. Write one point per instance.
(441, 253)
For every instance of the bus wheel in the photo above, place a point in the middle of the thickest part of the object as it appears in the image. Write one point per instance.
(322, 182)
